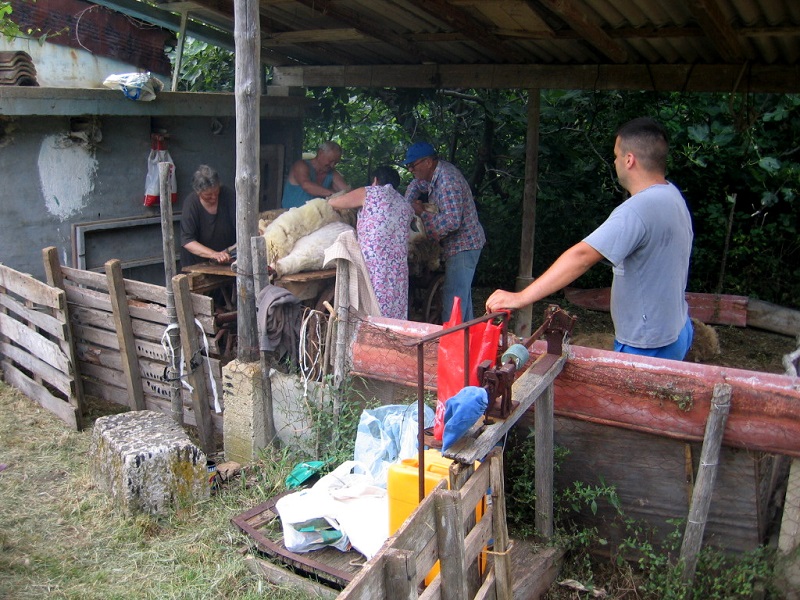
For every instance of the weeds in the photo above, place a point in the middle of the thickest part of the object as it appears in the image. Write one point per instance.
(650, 572)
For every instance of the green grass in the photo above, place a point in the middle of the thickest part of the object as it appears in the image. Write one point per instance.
(61, 538)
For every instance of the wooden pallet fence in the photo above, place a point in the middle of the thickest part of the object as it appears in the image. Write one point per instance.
(118, 325)
(437, 530)
(36, 350)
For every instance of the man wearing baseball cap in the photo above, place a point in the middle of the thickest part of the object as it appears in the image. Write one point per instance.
(455, 225)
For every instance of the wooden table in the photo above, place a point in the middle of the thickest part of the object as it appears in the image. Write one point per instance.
(308, 285)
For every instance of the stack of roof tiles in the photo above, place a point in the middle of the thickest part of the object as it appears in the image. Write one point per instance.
(16, 68)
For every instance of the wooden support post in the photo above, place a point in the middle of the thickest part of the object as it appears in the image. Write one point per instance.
(501, 557)
(522, 325)
(55, 278)
(125, 335)
(168, 248)
(247, 38)
(197, 374)
(543, 479)
(459, 474)
(450, 542)
(706, 475)
(261, 280)
(400, 574)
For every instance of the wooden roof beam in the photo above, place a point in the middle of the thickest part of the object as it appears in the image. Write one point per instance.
(662, 78)
(313, 36)
(712, 20)
(575, 17)
(379, 33)
(465, 24)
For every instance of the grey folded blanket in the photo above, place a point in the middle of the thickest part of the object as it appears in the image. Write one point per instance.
(279, 317)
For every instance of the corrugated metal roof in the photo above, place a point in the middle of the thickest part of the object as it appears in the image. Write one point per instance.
(746, 34)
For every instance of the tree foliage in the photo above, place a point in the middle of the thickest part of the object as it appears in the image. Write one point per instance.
(734, 156)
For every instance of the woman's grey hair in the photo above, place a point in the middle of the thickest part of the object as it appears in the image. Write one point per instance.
(204, 178)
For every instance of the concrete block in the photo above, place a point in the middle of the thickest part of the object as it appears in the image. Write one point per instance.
(293, 403)
(147, 462)
(245, 426)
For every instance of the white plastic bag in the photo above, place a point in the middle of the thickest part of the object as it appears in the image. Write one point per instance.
(387, 435)
(341, 509)
(135, 86)
(152, 184)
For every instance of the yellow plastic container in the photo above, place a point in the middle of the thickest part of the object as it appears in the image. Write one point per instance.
(403, 490)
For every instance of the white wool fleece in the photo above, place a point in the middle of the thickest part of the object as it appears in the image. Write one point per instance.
(282, 234)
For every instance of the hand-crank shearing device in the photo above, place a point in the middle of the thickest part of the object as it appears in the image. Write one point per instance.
(497, 380)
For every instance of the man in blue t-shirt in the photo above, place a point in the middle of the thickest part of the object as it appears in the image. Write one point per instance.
(648, 241)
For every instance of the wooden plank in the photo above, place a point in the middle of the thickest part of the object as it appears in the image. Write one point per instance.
(197, 376)
(61, 408)
(125, 335)
(501, 560)
(32, 289)
(286, 579)
(635, 77)
(720, 309)
(43, 320)
(118, 396)
(524, 392)
(148, 369)
(535, 568)
(450, 540)
(202, 305)
(772, 317)
(35, 343)
(55, 278)
(64, 383)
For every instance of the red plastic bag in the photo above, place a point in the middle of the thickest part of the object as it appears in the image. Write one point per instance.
(152, 185)
(483, 342)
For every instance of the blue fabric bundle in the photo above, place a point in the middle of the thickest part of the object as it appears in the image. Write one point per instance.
(460, 413)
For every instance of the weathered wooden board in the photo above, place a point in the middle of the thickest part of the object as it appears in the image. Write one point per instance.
(37, 392)
(36, 317)
(654, 482)
(31, 289)
(61, 381)
(35, 343)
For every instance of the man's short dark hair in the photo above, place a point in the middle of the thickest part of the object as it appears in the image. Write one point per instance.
(647, 139)
(385, 174)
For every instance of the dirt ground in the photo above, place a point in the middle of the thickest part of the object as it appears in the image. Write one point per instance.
(741, 348)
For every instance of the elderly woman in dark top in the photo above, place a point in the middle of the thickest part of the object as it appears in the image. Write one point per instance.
(208, 222)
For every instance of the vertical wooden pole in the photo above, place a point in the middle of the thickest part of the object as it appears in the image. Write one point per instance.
(127, 340)
(195, 365)
(168, 249)
(450, 542)
(543, 479)
(706, 475)
(261, 280)
(524, 316)
(176, 68)
(502, 560)
(55, 278)
(247, 37)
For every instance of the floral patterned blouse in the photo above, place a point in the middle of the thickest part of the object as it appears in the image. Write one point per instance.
(383, 229)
